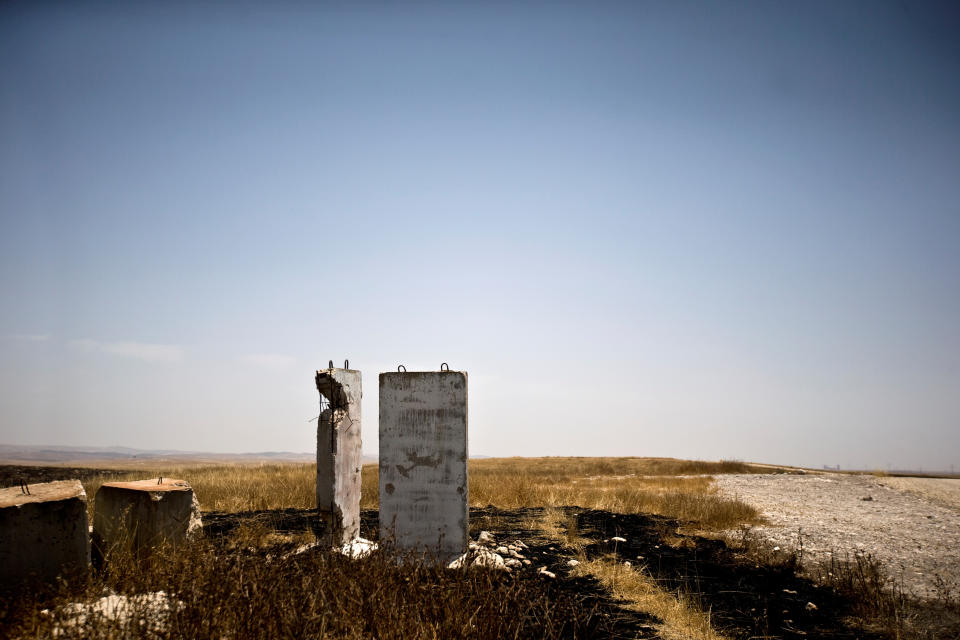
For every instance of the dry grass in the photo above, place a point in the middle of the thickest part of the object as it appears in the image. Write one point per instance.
(562, 527)
(681, 618)
(624, 485)
(237, 487)
(575, 467)
(248, 487)
(621, 485)
(264, 592)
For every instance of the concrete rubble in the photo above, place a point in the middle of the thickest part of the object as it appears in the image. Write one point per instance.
(356, 548)
(43, 532)
(148, 612)
(487, 553)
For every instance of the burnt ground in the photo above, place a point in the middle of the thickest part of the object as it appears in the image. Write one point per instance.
(745, 599)
(11, 474)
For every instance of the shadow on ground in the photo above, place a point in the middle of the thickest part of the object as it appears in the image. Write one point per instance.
(745, 600)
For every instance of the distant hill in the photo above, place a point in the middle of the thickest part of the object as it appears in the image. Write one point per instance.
(55, 454)
(47, 454)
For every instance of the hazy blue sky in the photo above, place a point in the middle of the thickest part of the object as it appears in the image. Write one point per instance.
(726, 230)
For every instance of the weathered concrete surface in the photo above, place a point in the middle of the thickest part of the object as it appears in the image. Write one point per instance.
(339, 455)
(423, 462)
(142, 514)
(44, 534)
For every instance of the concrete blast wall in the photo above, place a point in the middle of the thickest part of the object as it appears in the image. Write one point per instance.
(423, 461)
(339, 454)
(43, 534)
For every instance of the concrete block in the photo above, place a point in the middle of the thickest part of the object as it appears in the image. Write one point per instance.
(142, 514)
(423, 462)
(339, 455)
(43, 534)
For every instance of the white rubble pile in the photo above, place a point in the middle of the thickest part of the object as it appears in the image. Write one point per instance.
(356, 548)
(148, 611)
(486, 552)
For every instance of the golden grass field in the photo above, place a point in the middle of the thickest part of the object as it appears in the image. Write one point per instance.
(681, 490)
(676, 488)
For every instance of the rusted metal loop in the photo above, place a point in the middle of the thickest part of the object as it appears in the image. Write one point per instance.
(444, 364)
(331, 365)
(399, 367)
(346, 364)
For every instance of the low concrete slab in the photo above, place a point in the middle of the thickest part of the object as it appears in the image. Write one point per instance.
(142, 514)
(43, 534)
(423, 462)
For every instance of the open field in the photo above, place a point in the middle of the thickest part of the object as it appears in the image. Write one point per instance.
(676, 488)
(647, 537)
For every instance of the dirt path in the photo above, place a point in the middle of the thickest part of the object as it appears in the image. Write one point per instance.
(912, 525)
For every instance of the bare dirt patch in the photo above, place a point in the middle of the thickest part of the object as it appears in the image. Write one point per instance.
(911, 525)
(945, 491)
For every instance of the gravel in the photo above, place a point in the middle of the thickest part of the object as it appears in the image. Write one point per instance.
(912, 525)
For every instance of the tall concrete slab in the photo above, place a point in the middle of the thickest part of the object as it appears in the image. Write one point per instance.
(43, 533)
(339, 454)
(142, 514)
(423, 462)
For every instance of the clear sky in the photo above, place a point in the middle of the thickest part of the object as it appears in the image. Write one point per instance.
(704, 230)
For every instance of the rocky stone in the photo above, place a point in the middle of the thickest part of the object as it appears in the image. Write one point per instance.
(489, 559)
(485, 537)
(459, 562)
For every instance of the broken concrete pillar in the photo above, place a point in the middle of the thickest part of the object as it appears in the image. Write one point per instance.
(423, 462)
(142, 514)
(43, 533)
(339, 455)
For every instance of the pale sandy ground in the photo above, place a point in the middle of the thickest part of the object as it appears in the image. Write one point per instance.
(912, 525)
(941, 490)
